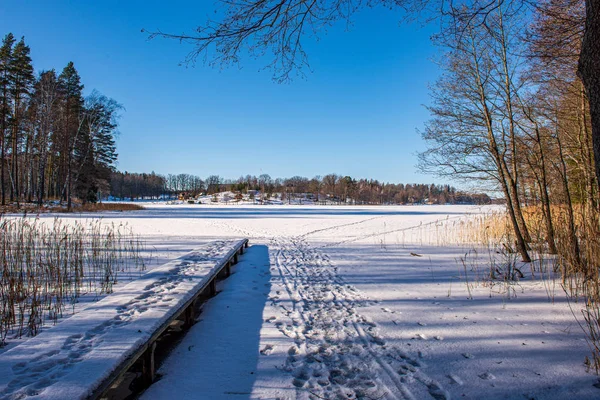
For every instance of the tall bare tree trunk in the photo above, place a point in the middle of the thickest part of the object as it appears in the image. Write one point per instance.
(571, 231)
(589, 71)
(2, 161)
(14, 158)
(503, 170)
(546, 209)
(512, 176)
(586, 140)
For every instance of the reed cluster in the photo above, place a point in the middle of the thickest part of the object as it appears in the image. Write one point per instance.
(47, 267)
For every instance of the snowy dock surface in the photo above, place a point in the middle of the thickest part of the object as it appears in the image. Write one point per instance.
(74, 359)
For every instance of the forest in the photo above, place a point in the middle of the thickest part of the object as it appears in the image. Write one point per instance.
(55, 143)
(510, 110)
(328, 188)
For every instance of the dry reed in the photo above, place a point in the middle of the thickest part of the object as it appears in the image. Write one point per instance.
(47, 267)
(575, 268)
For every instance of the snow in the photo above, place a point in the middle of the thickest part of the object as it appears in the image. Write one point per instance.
(71, 360)
(225, 338)
(360, 302)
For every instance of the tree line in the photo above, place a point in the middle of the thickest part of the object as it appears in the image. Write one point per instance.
(329, 188)
(512, 110)
(55, 143)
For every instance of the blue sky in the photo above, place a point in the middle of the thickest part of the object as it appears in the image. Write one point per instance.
(357, 112)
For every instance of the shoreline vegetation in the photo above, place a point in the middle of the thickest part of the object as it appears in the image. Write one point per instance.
(33, 208)
(330, 188)
(48, 266)
(569, 263)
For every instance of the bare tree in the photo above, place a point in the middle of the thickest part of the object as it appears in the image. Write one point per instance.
(261, 26)
(45, 103)
(474, 130)
(213, 184)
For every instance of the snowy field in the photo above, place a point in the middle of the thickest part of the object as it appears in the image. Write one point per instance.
(360, 302)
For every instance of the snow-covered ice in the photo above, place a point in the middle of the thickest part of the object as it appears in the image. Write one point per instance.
(362, 302)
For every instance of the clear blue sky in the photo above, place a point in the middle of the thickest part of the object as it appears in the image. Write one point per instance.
(355, 114)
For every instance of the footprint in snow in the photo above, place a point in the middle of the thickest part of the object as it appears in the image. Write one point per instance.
(455, 380)
(488, 376)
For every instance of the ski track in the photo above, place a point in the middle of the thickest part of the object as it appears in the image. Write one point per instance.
(338, 353)
(33, 376)
(338, 226)
(407, 228)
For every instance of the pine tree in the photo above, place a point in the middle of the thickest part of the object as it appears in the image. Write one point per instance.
(95, 154)
(72, 108)
(6, 54)
(105, 149)
(20, 81)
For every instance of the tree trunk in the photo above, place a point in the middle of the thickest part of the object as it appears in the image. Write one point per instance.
(512, 176)
(587, 141)
(550, 236)
(547, 211)
(28, 166)
(514, 191)
(41, 181)
(573, 241)
(14, 162)
(3, 143)
(69, 204)
(14, 156)
(43, 160)
(2, 163)
(589, 71)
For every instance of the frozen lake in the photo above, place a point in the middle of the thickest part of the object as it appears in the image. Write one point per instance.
(361, 302)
